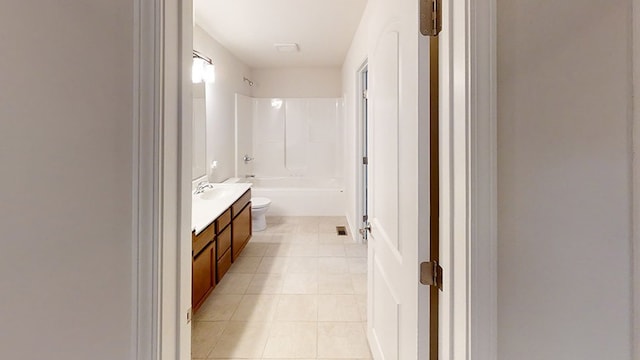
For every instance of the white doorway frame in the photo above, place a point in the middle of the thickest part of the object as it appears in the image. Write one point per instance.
(468, 181)
(161, 187)
(635, 178)
(361, 112)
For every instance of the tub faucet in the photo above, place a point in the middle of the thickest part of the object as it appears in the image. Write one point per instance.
(247, 158)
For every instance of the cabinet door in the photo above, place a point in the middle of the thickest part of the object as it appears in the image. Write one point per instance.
(224, 241)
(224, 263)
(241, 230)
(204, 276)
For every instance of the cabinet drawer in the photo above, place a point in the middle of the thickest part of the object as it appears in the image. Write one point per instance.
(201, 240)
(240, 203)
(241, 230)
(204, 275)
(224, 263)
(224, 241)
(223, 220)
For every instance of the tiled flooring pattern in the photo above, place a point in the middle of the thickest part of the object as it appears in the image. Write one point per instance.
(298, 291)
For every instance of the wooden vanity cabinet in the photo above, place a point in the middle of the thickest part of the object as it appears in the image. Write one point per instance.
(217, 246)
(203, 269)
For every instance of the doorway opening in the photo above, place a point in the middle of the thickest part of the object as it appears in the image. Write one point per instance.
(363, 78)
(275, 119)
(168, 315)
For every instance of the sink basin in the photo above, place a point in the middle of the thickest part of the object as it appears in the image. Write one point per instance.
(213, 194)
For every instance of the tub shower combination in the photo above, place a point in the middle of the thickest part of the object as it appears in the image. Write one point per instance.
(294, 148)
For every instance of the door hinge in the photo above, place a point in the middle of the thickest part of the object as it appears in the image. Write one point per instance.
(430, 17)
(365, 94)
(431, 274)
(189, 315)
(365, 218)
(365, 160)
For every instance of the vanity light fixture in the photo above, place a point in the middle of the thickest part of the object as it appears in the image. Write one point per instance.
(202, 69)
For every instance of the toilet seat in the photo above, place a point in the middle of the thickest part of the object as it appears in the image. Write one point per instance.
(259, 202)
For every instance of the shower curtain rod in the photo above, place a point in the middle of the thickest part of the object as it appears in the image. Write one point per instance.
(248, 81)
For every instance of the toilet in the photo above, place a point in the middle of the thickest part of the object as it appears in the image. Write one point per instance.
(259, 207)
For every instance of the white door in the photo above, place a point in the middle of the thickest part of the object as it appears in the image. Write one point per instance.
(397, 303)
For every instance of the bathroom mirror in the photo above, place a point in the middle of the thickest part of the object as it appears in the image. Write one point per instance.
(199, 128)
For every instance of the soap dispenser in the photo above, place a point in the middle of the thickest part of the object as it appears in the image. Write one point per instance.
(212, 172)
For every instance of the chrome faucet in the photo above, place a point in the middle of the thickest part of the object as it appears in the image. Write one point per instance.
(247, 158)
(202, 186)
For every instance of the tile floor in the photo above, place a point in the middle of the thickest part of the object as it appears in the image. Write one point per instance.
(298, 291)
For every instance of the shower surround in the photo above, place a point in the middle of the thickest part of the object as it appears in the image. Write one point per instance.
(293, 141)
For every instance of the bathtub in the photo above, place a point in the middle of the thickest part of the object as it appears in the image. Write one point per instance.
(299, 196)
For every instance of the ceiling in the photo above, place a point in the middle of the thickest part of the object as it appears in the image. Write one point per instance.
(323, 29)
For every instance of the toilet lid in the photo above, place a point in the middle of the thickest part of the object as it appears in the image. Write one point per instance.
(257, 202)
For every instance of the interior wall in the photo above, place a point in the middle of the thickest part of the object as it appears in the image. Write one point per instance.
(313, 82)
(564, 100)
(199, 132)
(220, 96)
(66, 150)
(356, 56)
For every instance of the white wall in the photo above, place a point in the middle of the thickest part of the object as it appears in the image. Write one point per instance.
(356, 56)
(66, 107)
(319, 82)
(564, 179)
(199, 128)
(221, 104)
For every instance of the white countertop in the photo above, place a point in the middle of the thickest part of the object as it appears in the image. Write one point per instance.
(204, 212)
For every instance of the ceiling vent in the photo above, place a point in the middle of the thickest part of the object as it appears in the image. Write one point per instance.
(287, 47)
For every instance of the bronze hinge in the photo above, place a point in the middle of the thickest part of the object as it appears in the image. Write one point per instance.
(431, 274)
(430, 17)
